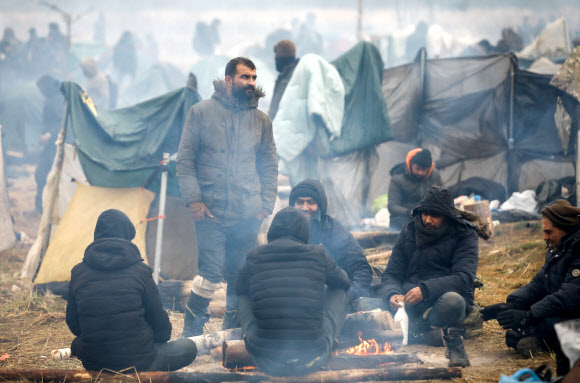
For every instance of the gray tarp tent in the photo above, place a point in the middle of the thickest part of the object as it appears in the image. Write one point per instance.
(479, 116)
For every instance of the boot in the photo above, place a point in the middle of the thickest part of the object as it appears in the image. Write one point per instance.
(455, 348)
(512, 338)
(231, 320)
(529, 346)
(196, 315)
(473, 323)
(421, 332)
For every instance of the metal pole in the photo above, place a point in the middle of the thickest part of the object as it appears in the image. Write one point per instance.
(161, 220)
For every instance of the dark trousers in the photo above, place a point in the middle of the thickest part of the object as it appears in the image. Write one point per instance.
(334, 309)
(546, 333)
(447, 311)
(173, 355)
(222, 251)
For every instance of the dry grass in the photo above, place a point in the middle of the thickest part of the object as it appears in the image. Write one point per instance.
(31, 325)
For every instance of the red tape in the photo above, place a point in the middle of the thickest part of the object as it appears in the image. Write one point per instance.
(153, 218)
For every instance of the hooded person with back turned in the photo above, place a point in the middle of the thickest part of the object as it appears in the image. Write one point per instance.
(114, 309)
(293, 299)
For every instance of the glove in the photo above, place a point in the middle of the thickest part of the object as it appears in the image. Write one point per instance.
(514, 319)
(490, 312)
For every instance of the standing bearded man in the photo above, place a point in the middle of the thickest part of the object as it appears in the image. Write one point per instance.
(227, 169)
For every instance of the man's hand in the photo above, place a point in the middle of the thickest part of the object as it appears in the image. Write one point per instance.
(395, 300)
(262, 215)
(514, 319)
(413, 296)
(199, 211)
(490, 312)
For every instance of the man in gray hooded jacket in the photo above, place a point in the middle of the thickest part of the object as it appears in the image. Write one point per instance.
(227, 169)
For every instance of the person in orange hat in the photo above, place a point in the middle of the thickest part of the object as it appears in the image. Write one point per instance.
(409, 183)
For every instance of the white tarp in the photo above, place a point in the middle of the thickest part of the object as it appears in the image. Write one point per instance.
(553, 41)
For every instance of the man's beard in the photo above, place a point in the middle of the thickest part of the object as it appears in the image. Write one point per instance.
(243, 93)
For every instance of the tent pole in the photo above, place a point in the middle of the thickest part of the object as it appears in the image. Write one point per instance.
(38, 249)
(161, 214)
(511, 154)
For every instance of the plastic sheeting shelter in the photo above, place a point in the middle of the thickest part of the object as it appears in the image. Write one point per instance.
(479, 116)
(71, 235)
(118, 151)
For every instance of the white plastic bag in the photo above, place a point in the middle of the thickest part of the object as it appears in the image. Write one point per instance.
(401, 316)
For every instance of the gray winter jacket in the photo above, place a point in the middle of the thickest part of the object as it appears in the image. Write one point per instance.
(227, 158)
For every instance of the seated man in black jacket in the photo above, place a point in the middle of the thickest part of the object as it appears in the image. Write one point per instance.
(114, 309)
(552, 296)
(431, 271)
(293, 299)
(309, 196)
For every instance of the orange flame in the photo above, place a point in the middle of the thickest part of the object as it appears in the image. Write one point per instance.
(370, 347)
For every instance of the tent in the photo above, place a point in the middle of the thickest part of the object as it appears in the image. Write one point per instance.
(479, 116)
(114, 163)
(7, 237)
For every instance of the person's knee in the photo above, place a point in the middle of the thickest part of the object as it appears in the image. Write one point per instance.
(448, 311)
(190, 349)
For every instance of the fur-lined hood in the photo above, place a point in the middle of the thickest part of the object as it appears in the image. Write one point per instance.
(221, 95)
(481, 227)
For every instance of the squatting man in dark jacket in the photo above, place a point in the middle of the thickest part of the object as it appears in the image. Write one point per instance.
(552, 296)
(293, 299)
(431, 271)
(114, 309)
(309, 196)
(409, 183)
(227, 170)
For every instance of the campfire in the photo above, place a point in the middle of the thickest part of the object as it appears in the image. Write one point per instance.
(369, 347)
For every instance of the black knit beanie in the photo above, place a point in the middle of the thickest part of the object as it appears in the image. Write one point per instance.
(562, 214)
(304, 190)
(422, 159)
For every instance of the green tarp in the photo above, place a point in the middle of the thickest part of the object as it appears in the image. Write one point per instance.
(366, 121)
(122, 147)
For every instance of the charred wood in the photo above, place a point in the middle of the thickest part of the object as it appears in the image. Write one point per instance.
(211, 377)
(350, 362)
(235, 355)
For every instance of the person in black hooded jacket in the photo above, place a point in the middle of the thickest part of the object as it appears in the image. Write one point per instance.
(431, 271)
(293, 299)
(309, 196)
(114, 309)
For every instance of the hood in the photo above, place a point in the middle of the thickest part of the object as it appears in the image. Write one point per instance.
(410, 155)
(114, 223)
(440, 200)
(221, 95)
(90, 67)
(289, 223)
(310, 188)
(111, 254)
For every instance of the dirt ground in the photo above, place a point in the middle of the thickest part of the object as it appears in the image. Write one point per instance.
(31, 325)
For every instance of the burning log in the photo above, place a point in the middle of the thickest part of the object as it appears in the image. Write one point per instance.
(349, 362)
(205, 343)
(235, 355)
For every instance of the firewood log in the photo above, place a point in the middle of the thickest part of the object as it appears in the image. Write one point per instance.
(205, 343)
(235, 355)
